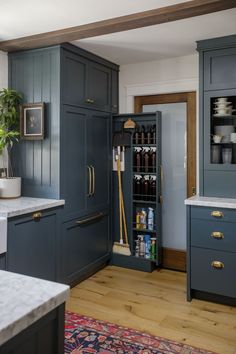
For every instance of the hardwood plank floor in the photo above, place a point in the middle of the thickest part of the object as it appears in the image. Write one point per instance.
(155, 303)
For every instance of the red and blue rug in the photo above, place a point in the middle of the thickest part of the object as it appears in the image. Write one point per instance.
(87, 335)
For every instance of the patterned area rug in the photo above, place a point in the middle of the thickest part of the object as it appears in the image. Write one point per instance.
(87, 335)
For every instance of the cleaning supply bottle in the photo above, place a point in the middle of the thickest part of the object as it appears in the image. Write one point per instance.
(149, 135)
(153, 188)
(143, 219)
(145, 188)
(141, 246)
(142, 135)
(152, 162)
(136, 135)
(147, 241)
(150, 219)
(137, 159)
(154, 134)
(146, 159)
(137, 187)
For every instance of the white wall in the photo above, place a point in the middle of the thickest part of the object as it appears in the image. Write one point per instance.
(3, 70)
(161, 76)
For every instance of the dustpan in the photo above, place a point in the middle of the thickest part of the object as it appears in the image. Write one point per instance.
(121, 138)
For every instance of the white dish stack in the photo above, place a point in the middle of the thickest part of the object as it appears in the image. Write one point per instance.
(223, 107)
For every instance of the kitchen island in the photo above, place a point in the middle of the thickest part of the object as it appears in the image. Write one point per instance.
(31, 315)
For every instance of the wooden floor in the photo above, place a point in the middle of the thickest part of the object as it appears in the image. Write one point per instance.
(155, 303)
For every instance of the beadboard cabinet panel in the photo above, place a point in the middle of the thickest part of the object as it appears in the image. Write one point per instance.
(36, 75)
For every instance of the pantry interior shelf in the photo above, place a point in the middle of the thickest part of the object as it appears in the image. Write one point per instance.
(144, 202)
(145, 231)
(144, 145)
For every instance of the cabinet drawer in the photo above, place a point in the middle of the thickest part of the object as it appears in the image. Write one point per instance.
(206, 278)
(209, 214)
(220, 69)
(213, 234)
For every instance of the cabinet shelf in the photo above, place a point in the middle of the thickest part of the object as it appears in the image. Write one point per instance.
(152, 202)
(144, 145)
(144, 230)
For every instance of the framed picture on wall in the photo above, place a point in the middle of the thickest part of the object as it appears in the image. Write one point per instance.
(32, 121)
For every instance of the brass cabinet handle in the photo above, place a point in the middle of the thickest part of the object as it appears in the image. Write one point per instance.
(91, 218)
(93, 179)
(37, 216)
(217, 264)
(218, 235)
(217, 214)
(90, 181)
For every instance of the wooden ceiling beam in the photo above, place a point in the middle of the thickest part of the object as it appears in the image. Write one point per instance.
(118, 24)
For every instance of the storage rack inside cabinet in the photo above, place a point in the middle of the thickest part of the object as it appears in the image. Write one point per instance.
(134, 202)
(142, 202)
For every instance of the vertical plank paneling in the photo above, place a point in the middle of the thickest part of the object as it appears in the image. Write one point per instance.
(36, 75)
(46, 97)
(27, 89)
(37, 145)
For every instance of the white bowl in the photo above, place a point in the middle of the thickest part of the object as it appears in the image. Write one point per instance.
(224, 129)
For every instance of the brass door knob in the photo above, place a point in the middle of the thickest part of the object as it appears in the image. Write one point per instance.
(217, 264)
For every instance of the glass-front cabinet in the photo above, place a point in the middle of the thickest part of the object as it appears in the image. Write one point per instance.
(220, 130)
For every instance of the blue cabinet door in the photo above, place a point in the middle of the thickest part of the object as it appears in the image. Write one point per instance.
(75, 78)
(73, 169)
(98, 147)
(220, 69)
(85, 246)
(32, 244)
(99, 83)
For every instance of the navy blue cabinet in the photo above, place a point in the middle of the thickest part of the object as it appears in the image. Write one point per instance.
(73, 162)
(217, 85)
(3, 261)
(31, 248)
(87, 83)
(85, 246)
(212, 254)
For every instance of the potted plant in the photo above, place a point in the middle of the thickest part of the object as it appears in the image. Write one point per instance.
(10, 187)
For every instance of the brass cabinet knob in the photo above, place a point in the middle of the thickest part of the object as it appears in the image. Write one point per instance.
(218, 235)
(37, 216)
(217, 264)
(217, 214)
(89, 100)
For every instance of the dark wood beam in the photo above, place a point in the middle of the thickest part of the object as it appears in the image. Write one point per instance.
(118, 24)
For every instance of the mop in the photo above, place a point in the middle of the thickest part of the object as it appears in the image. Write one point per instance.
(121, 247)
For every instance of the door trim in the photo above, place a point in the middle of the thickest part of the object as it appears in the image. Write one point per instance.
(171, 258)
(190, 99)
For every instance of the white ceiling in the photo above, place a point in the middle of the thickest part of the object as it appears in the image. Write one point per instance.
(27, 17)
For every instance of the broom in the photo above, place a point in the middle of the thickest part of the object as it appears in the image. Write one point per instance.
(121, 247)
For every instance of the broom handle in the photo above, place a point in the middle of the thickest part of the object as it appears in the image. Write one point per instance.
(120, 200)
(124, 218)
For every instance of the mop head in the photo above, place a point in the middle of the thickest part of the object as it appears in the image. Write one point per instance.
(121, 249)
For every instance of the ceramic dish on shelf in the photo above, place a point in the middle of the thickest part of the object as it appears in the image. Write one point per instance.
(225, 115)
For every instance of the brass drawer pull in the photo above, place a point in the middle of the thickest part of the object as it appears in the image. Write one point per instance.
(37, 216)
(217, 214)
(92, 218)
(217, 264)
(218, 235)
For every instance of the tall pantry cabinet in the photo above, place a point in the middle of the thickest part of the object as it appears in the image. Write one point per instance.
(73, 162)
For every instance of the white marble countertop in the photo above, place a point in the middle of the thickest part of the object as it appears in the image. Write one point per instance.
(211, 202)
(24, 300)
(25, 205)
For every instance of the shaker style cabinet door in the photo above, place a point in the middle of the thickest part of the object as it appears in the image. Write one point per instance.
(73, 169)
(98, 159)
(220, 69)
(75, 78)
(31, 245)
(85, 241)
(99, 91)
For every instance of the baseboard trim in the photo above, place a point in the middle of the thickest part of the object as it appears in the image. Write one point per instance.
(174, 259)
